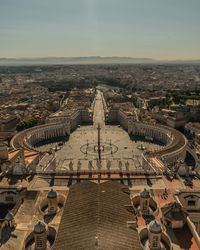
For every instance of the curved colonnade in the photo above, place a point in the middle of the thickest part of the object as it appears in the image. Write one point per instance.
(174, 141)
(30, 137)
(174, 149)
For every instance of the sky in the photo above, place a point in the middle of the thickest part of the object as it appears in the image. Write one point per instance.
(158, 29)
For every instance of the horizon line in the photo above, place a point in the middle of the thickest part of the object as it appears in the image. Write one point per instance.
(100, 57)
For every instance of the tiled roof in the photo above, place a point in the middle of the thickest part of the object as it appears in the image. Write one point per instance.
(95, 217)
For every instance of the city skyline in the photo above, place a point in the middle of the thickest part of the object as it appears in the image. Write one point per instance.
(139, 29)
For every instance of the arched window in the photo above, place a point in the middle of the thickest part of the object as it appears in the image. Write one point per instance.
(155, 241)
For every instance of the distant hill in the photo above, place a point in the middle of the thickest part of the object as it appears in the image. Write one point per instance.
(74, 60)
(86, 60)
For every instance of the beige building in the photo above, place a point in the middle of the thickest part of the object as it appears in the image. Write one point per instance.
(8, 123)
(190, 200)
(169, 117)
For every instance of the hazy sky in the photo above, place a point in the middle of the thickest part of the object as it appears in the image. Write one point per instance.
(166, 29)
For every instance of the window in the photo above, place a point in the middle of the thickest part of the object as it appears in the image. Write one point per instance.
(9, 198)
(191, 203)
(155, 241)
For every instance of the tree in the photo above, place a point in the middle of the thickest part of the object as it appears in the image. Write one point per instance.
(26, 123)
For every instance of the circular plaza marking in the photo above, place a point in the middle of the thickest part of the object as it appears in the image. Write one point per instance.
(105, 148)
